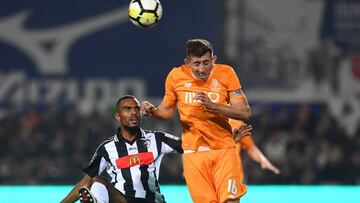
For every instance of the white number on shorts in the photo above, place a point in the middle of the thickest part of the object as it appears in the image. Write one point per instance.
(232, 187)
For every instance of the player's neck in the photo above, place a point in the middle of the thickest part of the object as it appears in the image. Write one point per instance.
(130, 133)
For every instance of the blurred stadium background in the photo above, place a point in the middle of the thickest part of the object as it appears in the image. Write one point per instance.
(63, 64)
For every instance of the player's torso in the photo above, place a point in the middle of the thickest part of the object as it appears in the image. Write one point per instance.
(132, 161)
(186, 87)
(204, 127)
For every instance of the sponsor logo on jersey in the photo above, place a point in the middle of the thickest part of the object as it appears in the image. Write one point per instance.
(187, 84)
(215, 85)
(143, 158)
(132, 148)
(189, 97)
(147, 143)
(134, 160)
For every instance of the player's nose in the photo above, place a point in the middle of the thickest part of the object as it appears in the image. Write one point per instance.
(201, 68)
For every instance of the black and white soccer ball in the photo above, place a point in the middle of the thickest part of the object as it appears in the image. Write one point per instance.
(145, 13)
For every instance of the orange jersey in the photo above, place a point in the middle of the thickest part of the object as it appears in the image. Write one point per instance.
(200, 126)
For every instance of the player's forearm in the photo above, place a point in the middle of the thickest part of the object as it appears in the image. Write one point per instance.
(239, 113)
(161, 115)
(255, 154)
(163, 112)
(73, 194)
(71, 197)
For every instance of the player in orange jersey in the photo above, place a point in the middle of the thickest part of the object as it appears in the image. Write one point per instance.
(244, 140)
(206, 94)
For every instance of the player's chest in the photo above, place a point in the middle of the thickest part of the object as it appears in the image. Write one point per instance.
(213, 88)
(133, 155)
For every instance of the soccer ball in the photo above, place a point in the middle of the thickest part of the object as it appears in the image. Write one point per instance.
(145, 13)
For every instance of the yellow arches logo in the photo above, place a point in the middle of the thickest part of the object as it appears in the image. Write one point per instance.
(134, 160)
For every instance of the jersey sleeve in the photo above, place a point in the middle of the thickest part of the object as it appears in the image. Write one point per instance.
(170, 94)
(235, 123)
(97, 164)
(234, 82)
(168, 143)
(247, 142)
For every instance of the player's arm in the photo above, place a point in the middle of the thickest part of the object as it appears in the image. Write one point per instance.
(163, 112)
(241, 134)
(242, 131)
(255, 154)
(73, 194)
(166, 109)
(95, 167)
(238, 109)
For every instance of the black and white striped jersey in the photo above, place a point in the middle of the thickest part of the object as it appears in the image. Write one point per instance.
(134, 166)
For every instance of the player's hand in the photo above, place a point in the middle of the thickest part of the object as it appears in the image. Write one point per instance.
(204, 100)
(242, 131)
(147, 108)
(269, 166)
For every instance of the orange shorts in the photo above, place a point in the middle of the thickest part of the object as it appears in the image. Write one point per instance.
(213, 176)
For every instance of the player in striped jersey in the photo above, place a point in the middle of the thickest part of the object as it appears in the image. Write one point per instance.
(132, 159)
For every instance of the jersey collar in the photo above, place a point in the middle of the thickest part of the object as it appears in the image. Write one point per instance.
(120, 138)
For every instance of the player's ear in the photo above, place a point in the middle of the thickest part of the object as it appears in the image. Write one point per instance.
(213, 59)
(117, 117)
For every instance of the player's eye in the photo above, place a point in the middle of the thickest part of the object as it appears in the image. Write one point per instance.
(137, 108)
(206, 63)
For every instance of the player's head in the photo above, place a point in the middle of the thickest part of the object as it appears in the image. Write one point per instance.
(128, 112)
(200, 58)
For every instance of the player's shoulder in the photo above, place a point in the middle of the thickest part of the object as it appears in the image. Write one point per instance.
(179, 71)
(148, 133)
(110, 139)
(105, 142)
(223, 68)
(159, 134)
(223, 73)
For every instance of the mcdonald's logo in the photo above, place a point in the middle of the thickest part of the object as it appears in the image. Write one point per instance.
(134, 160)
(143, 158)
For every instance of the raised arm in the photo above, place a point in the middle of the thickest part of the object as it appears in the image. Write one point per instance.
(163, 112)
(238, 109)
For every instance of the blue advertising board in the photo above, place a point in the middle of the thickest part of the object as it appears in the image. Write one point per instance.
(341, 23)
(80, 50)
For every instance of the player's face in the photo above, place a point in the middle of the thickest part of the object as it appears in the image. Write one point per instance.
(128, 113)
(201, 66)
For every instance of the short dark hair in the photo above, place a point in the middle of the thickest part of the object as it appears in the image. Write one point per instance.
(198, 47)
(123, 98)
